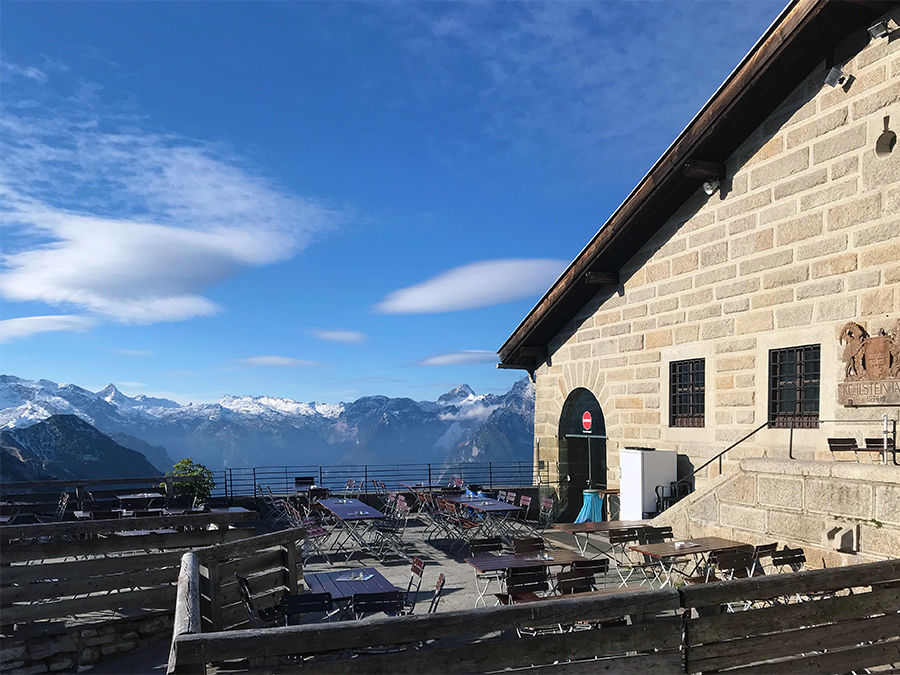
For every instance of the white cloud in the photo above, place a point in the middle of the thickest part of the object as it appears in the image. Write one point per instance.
(30, 72)
(12, 329)
(135, 225)
(476, 412)
(133, 352)
(348, 336)
(461, 358)
(276, 361)
(481, 284)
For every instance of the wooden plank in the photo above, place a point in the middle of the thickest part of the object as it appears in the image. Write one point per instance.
(37, 591)
(786, 617)
(215, 598)
(657, 663)
(69, 528)
(245, 548)
(777, 585)
(161, 597)
(252, 564)
(832, 662)
(77, 569)
(351, 635)
(187, 612)
(291, 566)
(497, 654)
(64, 549)
(717, 655)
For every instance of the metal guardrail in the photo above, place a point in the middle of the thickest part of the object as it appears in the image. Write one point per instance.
(243, 482)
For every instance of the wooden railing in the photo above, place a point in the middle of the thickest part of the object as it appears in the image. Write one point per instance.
(43, 495)
(837, 620)
(38, 581)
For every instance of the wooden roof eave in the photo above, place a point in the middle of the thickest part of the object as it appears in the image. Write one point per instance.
(801, 36)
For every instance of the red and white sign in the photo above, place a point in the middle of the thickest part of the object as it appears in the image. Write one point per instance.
(586, 421)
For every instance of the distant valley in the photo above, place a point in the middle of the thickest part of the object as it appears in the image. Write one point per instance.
(244, 431)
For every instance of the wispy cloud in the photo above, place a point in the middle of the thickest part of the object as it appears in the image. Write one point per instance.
(463, 358)
(347, 336)
(30, 72)
(134, 224)
(133, 352)
(14, 329)
(481, 284)
(275, 361)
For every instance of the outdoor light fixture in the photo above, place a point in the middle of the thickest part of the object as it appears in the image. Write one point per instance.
(880, 29)
(710, 186)
(835, 77)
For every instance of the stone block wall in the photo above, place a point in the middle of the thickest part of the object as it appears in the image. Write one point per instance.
(803, 237)
(82, 645)
(799, 503)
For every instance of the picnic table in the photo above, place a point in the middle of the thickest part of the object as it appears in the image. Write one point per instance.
(670, 554)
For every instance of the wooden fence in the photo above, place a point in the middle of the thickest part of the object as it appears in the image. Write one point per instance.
(56, 570)
(821, 621)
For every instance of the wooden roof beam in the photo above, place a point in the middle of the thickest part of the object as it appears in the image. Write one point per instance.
(698, 168)
(601, 278)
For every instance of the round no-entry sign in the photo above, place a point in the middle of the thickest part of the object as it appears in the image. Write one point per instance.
(586, 421)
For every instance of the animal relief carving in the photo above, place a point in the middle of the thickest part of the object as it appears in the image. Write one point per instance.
(871, 366)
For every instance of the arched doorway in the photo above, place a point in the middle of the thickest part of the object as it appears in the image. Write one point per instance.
(582, 450)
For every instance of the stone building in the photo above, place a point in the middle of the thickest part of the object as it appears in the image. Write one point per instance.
(751, 279)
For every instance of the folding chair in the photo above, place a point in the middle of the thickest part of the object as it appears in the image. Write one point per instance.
(61, 506)
(545, 517)
(524, 584)
(391, 603)
(483, 580)
(528, 545)
(574, 581)
(258, 618)
(389, 533)
(619, 541)
(598, 566)
(415, 583)
(305, 604)
(436, 598)
(760, 553)
(501, 495)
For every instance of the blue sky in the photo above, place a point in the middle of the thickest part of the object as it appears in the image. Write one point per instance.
(321, 200)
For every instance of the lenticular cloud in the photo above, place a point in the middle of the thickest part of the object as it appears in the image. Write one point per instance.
(132, 225)
(481, 284)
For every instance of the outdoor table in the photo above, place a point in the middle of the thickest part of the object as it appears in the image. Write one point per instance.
(601, 528)
(493, 512)
(422, 486)
(668, 554)
(496, 563)
(343, 586)
(354, 518)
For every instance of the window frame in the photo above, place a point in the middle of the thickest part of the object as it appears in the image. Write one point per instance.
(687, 393)
(795, 381)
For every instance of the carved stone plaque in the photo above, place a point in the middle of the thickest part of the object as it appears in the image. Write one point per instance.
(871, 366)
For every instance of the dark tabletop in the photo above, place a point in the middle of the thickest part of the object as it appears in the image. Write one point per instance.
(351, 509)
(485, 504)
(669, 549)
(326, 582)
(493, 563)
(604, 526)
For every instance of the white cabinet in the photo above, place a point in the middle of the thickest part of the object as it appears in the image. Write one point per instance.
(641, 471)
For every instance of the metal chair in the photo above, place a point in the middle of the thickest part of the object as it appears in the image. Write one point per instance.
(597, 567)
(415, 583)
(479, 547)
(391, 603)
(528, 545)
(306, 603)
(524, 584)
(436, 598)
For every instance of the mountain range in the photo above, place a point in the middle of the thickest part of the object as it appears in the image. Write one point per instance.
(245, 431)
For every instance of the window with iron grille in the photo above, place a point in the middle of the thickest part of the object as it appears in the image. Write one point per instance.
(794, 386)
(687, 393)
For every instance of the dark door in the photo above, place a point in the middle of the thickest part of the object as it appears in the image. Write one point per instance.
(582, 451)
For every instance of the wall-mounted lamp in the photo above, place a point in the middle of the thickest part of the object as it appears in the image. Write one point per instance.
(711, 186)
(835, 77)
(879, 29)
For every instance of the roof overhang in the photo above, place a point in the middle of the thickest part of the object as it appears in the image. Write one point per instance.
(803, 36)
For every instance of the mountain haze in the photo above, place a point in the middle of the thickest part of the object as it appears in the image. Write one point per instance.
(245, 431)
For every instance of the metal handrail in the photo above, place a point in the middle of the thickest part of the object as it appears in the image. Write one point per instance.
(719, 456)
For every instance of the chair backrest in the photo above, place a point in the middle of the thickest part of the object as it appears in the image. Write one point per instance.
(415, 583)
(655, 535)
(315, 494)
(306, 603)
(438, 590)
(528, 545)
(735, 563)
(510, 497)
(482, 546)
(878, 443)
(368, 603)
(105, 515)
(303, 483)
(575, 581)
(623, 536)
(789, 557)
(418, 567)
(501, 495)
(521, 580)
(457, 482)
(61, 506)
(595, 566)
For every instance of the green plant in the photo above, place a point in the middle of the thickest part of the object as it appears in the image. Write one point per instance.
(199, 489)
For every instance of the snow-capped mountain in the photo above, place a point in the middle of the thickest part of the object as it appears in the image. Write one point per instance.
(240, 431)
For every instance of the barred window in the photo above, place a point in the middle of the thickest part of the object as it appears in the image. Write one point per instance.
(794, 387)
(687, 393)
